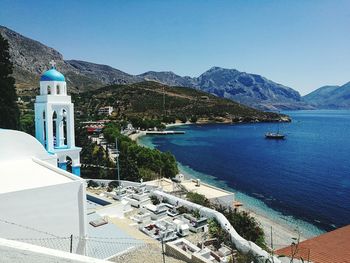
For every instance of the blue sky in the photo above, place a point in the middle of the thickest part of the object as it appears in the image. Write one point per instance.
(303, 44)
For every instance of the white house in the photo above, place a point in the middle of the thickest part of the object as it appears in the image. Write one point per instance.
(107, 110)
(54, 120)
(38, 201)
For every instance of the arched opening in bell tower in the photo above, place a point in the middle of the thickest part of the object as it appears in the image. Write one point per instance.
(64, 120)
(54, 129)
(69, 164)
(44, 129)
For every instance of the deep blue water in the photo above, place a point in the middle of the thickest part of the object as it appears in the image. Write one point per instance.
(306, 176)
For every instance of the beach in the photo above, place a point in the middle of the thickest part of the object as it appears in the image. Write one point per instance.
(282, 235)
(137, 135)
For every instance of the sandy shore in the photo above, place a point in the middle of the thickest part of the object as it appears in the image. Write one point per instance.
(137, 135)
(282, 235)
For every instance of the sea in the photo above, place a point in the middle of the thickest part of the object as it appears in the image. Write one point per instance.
(302, 181)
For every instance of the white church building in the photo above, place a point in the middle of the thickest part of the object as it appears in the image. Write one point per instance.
(39, 200)
(54, 120)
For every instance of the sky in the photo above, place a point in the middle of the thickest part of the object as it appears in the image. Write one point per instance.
(303, 44)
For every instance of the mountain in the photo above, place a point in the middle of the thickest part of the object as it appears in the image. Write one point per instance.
(103, 73)
(249, 89)
(169, 78)
(152, 100)
(31, 58)
(330, 97)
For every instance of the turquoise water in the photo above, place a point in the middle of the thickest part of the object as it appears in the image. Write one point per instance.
(303, 181)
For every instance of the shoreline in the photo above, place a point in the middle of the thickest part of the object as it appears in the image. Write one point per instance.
(139, 134)
(283, 234)
(284, 228)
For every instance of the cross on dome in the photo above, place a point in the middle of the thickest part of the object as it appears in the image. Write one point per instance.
(52, 63)
(52, 74)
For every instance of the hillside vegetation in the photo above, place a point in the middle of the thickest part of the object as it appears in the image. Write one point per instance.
(136, 162)
(156, 101)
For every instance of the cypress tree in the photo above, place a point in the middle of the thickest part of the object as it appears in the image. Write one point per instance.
(9, 112)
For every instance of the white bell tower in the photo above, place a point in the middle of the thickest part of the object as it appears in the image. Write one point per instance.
(54, 120)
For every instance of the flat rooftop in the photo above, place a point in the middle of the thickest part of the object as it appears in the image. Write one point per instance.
(23, 174)
(190, 185)
(331, 247)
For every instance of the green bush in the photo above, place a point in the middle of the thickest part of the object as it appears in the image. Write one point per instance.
(246, 226)
(216, 231)
(92, 183)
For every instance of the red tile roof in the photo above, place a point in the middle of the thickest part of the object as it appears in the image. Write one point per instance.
(331, 247)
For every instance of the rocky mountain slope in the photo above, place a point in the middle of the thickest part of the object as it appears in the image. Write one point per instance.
(156, 101)
(31, 58)
(330, 97)
(169, 78)
(249, 89)
(103, 73)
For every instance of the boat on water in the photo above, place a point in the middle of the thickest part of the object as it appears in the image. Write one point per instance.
(275, 135)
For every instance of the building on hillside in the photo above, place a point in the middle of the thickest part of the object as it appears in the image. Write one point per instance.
(54, 120)
(107, 110)
(38, 201)
(331, 247)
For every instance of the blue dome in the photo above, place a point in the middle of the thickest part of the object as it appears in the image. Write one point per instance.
(52, 75)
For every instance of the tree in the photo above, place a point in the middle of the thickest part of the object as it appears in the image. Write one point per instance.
(183, 119)
(193, 119)
(111, 132)
(27, 123)
(9, 112)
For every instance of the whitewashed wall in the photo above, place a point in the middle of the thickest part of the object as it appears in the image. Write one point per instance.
(57, 210)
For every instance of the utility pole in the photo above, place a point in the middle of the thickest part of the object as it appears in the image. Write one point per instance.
(71, 244)
(118, 172)
(163, 234)
(272, 252)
